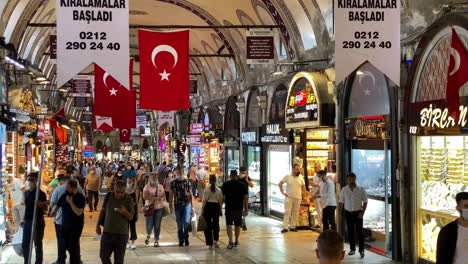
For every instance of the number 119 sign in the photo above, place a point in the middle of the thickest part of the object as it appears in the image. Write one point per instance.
(367, 30)
(92, 31)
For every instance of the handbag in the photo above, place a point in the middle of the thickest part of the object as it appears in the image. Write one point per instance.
(148, 209)
(201, 226)
(166, 210)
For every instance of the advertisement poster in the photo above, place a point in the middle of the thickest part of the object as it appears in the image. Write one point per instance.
(92, 31)
(81, 90)
(166, 117)
(260, 46)
(367, 31)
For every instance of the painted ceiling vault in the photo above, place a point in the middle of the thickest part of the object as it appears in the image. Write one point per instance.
(305, 32)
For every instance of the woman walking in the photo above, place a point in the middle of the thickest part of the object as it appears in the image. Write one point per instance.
(211, 211)
(129, 172)
(133, 192)
(154, 196)
(167, 184)
(181, 197)
(92, 186)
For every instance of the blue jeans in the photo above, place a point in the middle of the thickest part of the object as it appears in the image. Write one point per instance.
(154, 223)
(182, 213)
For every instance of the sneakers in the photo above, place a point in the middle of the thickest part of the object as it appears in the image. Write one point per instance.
(231, 245)
(236, 244)
(187, 243)
(293, 230)
(284, 231)
(132, 247)
(128, 246)
(351, 252)
(362, 254)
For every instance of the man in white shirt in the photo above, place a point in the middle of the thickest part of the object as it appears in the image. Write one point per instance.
(295, 187)
(201, 177)
(328, 198)
(354, 200)
(452, 242)
(16, 192)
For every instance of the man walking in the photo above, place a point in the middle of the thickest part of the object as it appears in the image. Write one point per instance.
(16, 192)
(453, 238)
(117, 211)
(58, 192)
(92, 186)
(201, 176)
(163, 172)
(27, 223)
(244, 177)
(295, 186)
(330, 247)
(327, 196)
(236, 197)
(354, 199)
(72, 204)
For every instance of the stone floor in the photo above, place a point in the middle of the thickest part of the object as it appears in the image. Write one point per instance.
(261, 243)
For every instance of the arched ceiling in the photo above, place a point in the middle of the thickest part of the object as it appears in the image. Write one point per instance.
(304, 33)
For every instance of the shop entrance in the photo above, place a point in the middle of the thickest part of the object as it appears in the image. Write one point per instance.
(278, 165)
(371, 162)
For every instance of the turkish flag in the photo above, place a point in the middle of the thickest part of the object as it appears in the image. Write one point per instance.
(457, 74)
(125, 135)
(103, 123)
(164, 70)
(113, 100)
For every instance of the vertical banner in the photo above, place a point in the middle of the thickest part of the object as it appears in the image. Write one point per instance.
(81, 90)
(166, 117)
(367, 31)
(260, 46)
(53, 47)
(193, 87)
(140, 117)
(92, 31)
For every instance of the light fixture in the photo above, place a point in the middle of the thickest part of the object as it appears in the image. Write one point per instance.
(72, 120)
(40, 79)
(63, 90)
(65, 126)
(44, 82)
(359, 73)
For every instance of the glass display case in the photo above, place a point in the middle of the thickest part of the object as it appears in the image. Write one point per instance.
(279, 165)
(253, 168)
(442, 172)
(318, 151)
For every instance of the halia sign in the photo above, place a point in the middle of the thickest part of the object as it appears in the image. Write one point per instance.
(432, 118)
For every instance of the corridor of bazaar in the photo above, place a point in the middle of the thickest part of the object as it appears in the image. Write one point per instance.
(234, 131)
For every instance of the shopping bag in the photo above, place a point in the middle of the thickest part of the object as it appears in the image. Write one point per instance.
(166, 211)
(17, 242)
(201, 226)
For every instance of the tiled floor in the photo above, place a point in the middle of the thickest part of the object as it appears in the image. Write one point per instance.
(262, 243)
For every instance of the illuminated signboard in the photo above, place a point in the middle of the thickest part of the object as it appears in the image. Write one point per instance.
(196, 128)
(302, 103)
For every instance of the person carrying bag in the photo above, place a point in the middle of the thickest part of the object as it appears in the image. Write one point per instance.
(154, 209)
(211, 211)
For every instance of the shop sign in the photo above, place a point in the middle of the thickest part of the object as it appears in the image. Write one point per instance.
(369, 127)
(81, 90)
(432, 118)
(141, 118)
(367, 31)
(92, 31)
(260, 46)
(195, 140)
(196, 128)
(274, 133)
(303, 105)
(250, 137)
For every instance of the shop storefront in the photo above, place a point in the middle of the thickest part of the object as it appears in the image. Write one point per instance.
(231, 137)
(310, 116)
(438, 167)
(370, 151)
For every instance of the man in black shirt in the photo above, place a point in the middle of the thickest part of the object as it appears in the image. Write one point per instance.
(236, 197)
(72, 204)
(27, 223)
(244, 177)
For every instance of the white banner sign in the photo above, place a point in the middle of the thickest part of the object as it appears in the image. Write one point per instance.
(92, 31)
(166, 117)
(367, 30)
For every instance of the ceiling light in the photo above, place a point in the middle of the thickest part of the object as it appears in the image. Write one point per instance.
(63, 90)
(65, 126)
(44, 82)
(72, 120)
(359, 73)
(41, 79)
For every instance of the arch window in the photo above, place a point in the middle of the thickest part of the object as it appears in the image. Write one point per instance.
(303, 24)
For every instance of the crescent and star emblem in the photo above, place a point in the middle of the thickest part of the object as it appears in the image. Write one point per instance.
(124, 132)
(456, 58)
(362, 76)
(164, 48)
(113, 91)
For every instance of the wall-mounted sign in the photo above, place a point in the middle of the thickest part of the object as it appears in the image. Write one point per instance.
(81, 90)
(92, 31)
(260, 46)
(196, 128)
(274, 133)
(53, 47)
(88, 154)
(369, 127)
(195, 140)
(193, 86)
(302, 103)
(432, 118)
(367, 31)
(250, 136)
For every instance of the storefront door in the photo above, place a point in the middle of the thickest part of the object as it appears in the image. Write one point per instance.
(232, 161)
(278, 165)
(253, 162)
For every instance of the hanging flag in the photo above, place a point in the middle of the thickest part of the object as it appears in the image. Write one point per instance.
(457, 74)
(125, 135)
(164, 70)
(113, 100)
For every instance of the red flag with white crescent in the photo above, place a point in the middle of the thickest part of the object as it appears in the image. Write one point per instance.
(125, 135)
(164, 70)
(457, 74)
(112, 100)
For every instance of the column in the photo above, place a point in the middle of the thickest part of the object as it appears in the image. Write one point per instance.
(241, 108)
